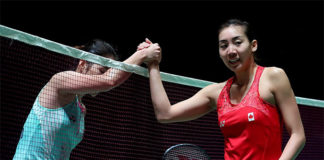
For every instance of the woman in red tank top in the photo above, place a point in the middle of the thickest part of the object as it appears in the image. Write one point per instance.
(252, 106)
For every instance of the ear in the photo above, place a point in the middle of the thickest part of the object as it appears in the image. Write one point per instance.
(254, 45)
(82, 62)
(81, 66)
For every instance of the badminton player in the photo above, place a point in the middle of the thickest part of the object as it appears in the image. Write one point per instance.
(55, 124)
(252, 106)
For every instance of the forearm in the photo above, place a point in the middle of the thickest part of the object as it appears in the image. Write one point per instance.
(159, 97)
(293, 147)
(115, 77)
(137, 58)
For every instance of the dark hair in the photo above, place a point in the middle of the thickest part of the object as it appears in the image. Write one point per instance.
(236, 22)
(95, 46)
(100, 47)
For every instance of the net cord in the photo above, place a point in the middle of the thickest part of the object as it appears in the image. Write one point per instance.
(79, 54)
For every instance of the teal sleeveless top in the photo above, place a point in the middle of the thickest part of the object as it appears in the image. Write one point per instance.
(51, 133)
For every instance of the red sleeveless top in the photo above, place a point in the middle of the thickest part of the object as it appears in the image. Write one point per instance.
(252, 129)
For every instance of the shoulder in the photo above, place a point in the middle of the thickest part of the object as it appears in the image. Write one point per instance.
(273, 70)
(64, 73)
(276, 76)
(213, 91)
(60, 76)
(274, 73)
(59, 79)
(215, 87)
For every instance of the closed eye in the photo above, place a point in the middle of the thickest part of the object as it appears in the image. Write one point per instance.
(103, 70)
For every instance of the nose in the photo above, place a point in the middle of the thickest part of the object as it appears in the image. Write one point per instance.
(231, 51)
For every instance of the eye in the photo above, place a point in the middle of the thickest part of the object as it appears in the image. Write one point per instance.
(223, 46)
(103, 70)
(238, 43)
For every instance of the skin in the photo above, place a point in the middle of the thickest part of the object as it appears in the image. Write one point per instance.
(236, 51)
(90, 79)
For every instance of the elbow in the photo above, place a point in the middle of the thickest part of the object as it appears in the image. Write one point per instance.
(162, 111)
(303, 140)
(163, 119)
(112, 83)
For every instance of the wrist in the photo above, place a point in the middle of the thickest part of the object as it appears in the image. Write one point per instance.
(137, 58)
(141, 54)
(153, 65)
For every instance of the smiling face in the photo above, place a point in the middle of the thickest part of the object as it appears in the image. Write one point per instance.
(235, 49)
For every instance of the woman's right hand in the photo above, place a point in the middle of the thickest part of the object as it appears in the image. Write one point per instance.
(151, 50)
(144, 45)
(153, 53)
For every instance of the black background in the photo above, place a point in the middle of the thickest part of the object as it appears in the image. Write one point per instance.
(290, 33)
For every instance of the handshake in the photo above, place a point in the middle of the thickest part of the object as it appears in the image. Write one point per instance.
(151, 51)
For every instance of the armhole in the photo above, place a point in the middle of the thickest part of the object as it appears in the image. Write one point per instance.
(39, 106)
(258, 90)
(222, 95)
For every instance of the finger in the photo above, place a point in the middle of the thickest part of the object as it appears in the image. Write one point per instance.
(157, 45)
(148, 41)
(142, 45)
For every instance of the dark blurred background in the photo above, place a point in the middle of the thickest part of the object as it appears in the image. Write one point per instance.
(290, 33)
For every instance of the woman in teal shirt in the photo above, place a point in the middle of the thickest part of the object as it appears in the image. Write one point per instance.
(55, 124)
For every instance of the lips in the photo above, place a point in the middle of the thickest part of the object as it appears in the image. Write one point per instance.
(233, 61)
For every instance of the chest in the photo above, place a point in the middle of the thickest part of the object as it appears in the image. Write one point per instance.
(238, 93)
(249, 120)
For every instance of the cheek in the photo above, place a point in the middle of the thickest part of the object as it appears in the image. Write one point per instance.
(245, 49)
(245, 53)
(222, 55)
(97, 72)
(93, 71)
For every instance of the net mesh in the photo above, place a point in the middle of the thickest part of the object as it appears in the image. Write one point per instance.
(119, 124)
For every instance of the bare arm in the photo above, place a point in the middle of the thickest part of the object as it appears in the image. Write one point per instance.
(70, 82)
(286, 102)
(198, 105)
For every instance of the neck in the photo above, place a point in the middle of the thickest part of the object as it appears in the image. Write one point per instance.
(245, 76)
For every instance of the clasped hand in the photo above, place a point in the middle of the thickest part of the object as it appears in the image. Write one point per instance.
(152, 50)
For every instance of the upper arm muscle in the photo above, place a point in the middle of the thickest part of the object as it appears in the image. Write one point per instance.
(285, 100)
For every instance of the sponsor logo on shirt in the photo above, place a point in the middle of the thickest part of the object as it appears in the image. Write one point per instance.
(251, 116)
(222, 124)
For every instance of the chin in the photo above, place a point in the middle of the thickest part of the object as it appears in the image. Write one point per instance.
(234, 67)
